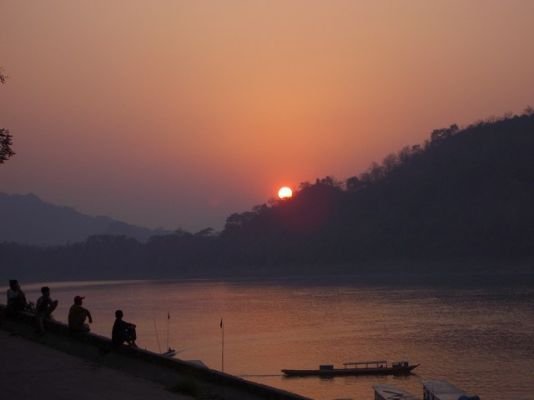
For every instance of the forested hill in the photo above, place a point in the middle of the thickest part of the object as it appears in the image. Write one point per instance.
(463, 194)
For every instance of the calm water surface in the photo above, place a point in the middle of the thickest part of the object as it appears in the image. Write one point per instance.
(478, 334)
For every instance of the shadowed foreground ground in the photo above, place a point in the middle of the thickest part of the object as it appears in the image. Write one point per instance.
(42, 358)
(30, 371)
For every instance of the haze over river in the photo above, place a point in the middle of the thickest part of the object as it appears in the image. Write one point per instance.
(477, 331)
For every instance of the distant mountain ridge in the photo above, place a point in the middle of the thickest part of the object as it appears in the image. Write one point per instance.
(461, 201)
(27, 219)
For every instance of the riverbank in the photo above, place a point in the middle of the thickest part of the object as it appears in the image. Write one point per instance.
(32, 371)
(58, 365)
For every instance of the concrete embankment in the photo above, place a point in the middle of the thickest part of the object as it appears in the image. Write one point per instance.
(30, 371)
(60, 365)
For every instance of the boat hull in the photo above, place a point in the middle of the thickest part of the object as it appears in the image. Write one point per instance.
(349, 371)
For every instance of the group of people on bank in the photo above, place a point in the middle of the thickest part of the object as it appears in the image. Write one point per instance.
(122, 333)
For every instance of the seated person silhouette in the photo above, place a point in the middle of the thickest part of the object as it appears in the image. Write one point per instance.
(16, 300)
(123, 332)
(78, 315)
(44, 308)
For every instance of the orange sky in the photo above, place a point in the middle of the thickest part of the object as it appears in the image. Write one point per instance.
(175, 113)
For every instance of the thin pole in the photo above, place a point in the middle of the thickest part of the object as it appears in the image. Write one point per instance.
(222, 352)
(168, 322)
(157, 336)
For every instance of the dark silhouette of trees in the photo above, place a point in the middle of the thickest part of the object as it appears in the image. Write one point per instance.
(465, 194)
(353, 183)
(6, 139)
(438, 135)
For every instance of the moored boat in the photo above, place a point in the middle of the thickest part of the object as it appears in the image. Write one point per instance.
(169, 353)
(443, 390)
(390, 392)
(356, 368)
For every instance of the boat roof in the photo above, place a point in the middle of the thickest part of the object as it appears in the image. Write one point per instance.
(365, 362)
(390, 392)
(443, 389)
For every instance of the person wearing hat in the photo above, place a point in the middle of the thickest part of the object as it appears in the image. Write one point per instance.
(78, 315)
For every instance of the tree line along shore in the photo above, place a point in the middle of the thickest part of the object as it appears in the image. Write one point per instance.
(464, 196)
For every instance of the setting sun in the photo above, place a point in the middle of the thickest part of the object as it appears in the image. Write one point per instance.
(285, 192)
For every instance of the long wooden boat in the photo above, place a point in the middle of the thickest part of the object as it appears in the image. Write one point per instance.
(356, 368)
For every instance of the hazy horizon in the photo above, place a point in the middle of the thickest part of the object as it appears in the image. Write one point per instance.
(176, 114)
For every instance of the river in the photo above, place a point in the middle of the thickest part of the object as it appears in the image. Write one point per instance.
(476, 332)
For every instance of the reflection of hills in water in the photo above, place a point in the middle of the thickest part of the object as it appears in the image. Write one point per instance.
(84, 284)
(477, 337)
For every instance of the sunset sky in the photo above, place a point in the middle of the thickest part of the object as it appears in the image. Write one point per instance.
(177, 113)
